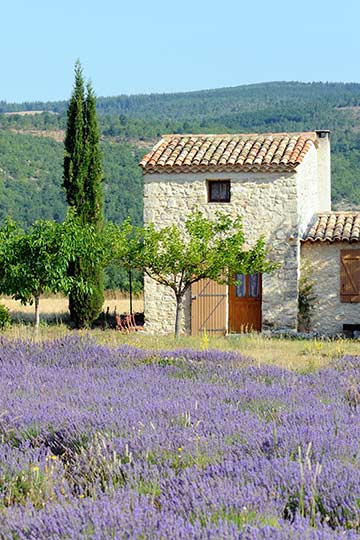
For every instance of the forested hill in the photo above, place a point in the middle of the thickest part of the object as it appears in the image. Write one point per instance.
(31, 137)
(206, 103)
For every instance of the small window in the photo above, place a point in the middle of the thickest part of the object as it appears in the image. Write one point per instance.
(254, 285)
(247, 285)
(240, 287)
(219, 191)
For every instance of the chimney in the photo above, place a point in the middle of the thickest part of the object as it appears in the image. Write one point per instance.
(323, 170)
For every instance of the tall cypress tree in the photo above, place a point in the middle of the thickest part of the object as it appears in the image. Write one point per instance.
(83, 178)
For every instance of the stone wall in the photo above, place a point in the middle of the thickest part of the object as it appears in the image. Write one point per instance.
(307, 191)
(330, 314)
(268, 205)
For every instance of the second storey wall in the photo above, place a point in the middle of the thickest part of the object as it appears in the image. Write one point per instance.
(308, 188)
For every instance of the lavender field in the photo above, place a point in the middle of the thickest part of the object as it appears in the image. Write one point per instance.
(101, 443)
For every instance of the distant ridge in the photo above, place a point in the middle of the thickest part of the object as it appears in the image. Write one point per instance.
(133, 102)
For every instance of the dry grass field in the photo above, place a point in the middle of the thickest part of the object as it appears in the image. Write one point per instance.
(288, 353)
(55, 308)
(302, 355)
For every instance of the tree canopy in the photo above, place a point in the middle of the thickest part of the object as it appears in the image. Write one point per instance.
(178, 257)
(35, 261)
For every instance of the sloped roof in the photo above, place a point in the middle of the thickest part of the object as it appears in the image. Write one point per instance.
(267, 152)
(334, 227)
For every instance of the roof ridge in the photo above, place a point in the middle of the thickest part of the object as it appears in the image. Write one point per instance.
(253, 134)
(338, 212)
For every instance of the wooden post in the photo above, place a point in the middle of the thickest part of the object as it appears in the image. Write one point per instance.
(37, 316)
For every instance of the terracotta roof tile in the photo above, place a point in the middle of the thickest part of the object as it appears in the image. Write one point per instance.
(222, 153)
(334, 227)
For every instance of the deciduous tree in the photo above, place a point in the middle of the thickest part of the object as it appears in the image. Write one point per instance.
(177, 258)
(35, 261)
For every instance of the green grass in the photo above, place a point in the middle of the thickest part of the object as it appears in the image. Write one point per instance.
(302, 355)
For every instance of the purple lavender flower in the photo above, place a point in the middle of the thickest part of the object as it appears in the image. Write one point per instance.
(99, 443)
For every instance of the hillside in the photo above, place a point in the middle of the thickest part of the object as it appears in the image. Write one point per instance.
(31, 147)
(31, 177)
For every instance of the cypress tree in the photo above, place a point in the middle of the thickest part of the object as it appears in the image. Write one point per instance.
(83, 178)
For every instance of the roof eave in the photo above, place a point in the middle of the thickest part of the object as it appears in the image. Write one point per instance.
(185, 169)
(329, 241)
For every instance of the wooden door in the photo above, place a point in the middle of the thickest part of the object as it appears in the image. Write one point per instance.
(208, 308)
(245, 303)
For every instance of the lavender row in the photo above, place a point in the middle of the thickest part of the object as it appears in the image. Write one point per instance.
(125, 443)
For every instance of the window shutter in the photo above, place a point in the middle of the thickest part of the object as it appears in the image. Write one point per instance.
(350, 275)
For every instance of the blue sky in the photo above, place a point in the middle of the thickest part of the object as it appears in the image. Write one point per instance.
(165, 46)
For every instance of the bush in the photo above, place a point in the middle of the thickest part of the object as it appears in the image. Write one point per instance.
(5, 319)
(307, 298)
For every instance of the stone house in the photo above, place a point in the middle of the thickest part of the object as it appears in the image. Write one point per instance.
(331, 245)
(279, 183)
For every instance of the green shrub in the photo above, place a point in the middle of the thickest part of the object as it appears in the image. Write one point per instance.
(307, 297)
(5, 319)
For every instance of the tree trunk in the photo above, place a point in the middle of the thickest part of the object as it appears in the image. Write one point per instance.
(178, 316)
(130, 293)
(37, 314)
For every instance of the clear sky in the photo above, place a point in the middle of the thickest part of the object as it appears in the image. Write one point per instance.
(139, 46)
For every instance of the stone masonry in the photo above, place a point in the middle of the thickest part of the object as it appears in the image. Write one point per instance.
(330, 313)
